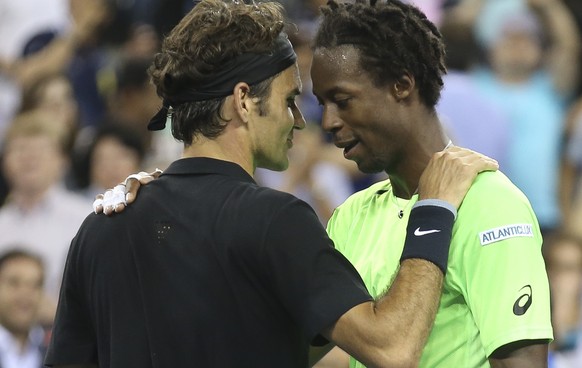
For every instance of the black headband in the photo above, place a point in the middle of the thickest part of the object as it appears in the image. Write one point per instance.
(250, 68)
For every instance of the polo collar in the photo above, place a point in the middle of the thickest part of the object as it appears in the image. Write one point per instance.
(205, 165)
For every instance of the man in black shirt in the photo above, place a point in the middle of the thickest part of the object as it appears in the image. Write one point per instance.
(208, 269)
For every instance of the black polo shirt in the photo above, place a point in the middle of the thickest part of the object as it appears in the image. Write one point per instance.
(205, 269)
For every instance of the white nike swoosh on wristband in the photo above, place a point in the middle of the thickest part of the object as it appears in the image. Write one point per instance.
(419, 232)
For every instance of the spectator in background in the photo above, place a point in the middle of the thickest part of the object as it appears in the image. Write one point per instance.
(22, 339)
(574, 223)
(143, 42)
(133, 104)
(39, 213)
(471, 120)
(575, 8)
(563, 254)
(532, 53)
(571, 175)
(36, 40)
(52, 96)
(115, 152)
(21, 21)
(134, 100)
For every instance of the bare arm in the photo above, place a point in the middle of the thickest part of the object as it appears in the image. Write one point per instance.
(56, 56)
(393, 330)
(521, 354)
(567, 168)
(562, 58)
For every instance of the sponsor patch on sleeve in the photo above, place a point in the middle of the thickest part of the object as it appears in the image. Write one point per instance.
(505, 232)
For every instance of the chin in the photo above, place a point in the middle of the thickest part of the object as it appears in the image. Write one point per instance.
(370, 167)
(277, 166)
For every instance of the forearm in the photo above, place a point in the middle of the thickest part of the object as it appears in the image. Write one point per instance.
(53, 59)
(408, 309)
(567, 187)
(393, 330)
(559, 23)
(564, 41)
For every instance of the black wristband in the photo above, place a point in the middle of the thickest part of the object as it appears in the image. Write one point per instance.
(428, 235)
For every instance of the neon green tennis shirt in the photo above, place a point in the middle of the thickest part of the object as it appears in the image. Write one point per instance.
(496, 288)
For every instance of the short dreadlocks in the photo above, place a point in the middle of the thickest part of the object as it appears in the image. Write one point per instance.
(392, 37)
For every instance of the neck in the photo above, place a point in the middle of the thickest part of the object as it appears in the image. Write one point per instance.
(22, 340)
(224, 147)
(424, 142)
(27, 200)
(19, 336)
(514, 76)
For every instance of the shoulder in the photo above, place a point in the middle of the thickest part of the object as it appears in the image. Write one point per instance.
(101, 229)
(494, 188)
(494, 181)
(494, 201)
(494, 195)
(268, 200)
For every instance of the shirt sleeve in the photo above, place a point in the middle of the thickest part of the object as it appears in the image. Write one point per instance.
(505, 281)
(314, 281)
(73, 337)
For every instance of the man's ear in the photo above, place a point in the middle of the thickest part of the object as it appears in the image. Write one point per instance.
(242, 101)
(403, 86)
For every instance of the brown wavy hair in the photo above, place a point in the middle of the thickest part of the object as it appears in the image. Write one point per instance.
(211, 34)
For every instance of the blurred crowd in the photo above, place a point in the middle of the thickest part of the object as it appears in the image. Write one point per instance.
(75, 100)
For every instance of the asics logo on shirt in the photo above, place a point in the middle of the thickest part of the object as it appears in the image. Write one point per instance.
(523, 303)
(419, 232)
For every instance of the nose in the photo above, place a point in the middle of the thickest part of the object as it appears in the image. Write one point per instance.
(330, 122)
(298, 118)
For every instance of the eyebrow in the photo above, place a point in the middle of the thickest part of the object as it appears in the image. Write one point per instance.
(331, 92)
(336, 90)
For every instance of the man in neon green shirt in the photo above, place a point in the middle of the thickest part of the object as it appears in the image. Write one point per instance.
(377, 72)
(495, 290)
